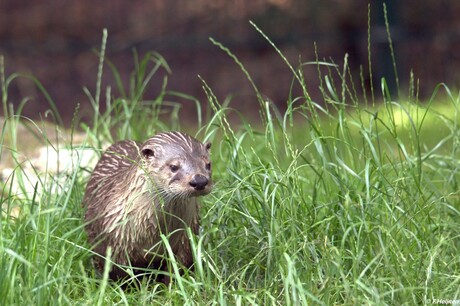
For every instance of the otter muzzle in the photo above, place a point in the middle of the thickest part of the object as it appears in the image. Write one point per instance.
(199, 182)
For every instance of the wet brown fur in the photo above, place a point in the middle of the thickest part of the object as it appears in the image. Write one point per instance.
(138, 192)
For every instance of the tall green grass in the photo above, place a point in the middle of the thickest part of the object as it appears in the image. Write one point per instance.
(335, 201)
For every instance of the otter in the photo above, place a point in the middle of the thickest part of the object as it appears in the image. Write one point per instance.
(139, 191)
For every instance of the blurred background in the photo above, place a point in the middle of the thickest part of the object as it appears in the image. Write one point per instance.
(55, 41)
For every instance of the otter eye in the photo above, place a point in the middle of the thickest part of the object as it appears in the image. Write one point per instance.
(174, 168)
(208, 166)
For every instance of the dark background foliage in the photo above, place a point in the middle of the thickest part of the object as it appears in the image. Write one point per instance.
(55, 41)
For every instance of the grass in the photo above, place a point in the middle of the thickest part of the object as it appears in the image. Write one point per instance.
(339, 201)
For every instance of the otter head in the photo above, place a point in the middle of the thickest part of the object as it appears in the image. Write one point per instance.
(177, 164)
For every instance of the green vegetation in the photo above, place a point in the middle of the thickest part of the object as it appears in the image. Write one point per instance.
(339, 201)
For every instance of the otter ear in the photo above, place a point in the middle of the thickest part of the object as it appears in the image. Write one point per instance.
(147, 153)
(207, 146)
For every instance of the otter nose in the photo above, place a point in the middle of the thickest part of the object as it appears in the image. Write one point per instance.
(199, 181)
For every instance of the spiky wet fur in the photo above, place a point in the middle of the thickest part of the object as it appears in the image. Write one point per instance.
(131, 201)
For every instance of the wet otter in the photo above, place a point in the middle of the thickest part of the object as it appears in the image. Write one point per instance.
(138, 192)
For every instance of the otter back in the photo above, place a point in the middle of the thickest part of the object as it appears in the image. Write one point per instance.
(139, 191)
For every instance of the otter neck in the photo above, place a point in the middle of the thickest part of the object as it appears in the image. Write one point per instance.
(153, 206)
